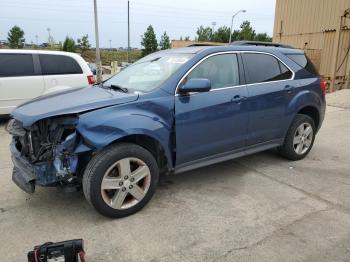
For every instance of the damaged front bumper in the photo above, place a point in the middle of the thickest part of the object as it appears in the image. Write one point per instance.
(26, 175)
(23, 175)
(54, 164)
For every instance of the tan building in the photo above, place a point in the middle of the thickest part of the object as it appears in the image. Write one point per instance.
(322, 29)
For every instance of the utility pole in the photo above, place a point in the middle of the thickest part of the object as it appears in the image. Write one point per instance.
(98, 57)
(128, 31)
(213, 24)
(110, 44)
(50, 42)
(36, 40)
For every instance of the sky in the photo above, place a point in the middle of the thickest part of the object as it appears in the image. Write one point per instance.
(178, 18)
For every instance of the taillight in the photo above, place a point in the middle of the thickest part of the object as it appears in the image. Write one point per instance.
(91, 79)
(323, 86)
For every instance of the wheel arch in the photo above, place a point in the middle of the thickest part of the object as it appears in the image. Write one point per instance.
(152, 145)
(312, 112)
(307, 103)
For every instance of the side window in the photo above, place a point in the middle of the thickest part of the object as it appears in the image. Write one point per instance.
(304, 62)
(59, 65)
(285, 72)
(265, 68)
(221, 70)
(16, 65)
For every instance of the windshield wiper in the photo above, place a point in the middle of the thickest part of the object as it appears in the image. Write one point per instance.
(117, 88)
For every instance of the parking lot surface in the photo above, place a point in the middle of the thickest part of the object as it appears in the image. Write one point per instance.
(256, 208)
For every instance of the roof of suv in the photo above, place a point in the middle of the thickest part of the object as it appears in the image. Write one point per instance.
(198, 49)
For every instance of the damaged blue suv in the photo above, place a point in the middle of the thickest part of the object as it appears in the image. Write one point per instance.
(170, 112)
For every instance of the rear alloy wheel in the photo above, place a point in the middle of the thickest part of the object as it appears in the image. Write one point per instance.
(120, 180)
(303, 138)
(300, 138)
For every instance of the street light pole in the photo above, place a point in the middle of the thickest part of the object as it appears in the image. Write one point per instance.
(240, 11)
(98, 57)
(128, 32)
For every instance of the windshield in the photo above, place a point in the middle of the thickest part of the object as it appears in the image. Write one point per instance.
(148, 73)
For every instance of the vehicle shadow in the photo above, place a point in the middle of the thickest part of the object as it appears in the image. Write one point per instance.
(227, 178)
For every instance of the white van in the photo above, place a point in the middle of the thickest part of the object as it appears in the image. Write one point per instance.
(25, 74)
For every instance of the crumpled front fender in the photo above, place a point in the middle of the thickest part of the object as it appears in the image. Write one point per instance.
(102, 127)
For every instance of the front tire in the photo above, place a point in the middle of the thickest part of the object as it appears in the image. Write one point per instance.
(120, 180)
(300, 138)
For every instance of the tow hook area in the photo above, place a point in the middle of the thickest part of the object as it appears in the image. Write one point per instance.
(23, 174)
(19, 179)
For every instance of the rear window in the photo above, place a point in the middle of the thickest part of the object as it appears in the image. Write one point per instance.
(59, 65)
(16, 65)
(304, 62)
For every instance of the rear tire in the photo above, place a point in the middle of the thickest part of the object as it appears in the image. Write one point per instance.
(120, 180)
(299, 139)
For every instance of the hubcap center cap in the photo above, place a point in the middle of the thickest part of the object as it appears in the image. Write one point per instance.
(127, 183)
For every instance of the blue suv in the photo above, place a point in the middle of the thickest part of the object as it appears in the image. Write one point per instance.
(170, 112)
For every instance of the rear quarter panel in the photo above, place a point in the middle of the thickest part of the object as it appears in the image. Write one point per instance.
(307, 93)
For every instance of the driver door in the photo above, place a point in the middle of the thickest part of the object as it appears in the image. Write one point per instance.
(213, 123)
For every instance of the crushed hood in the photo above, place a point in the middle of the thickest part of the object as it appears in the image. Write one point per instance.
(69, 102)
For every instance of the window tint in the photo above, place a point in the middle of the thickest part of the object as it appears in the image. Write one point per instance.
(265, 68)
(16, 65)
(285, 72)
(59, 65)
(304, 62)
(221, 70)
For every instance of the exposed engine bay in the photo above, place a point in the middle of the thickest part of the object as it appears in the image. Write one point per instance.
(45, 151)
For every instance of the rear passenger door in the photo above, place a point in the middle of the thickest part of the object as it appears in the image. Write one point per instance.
(20, 80)
(60, 70)
(270, 88)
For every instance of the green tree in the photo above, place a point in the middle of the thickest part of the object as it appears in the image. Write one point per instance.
(235, 35)
(204, 34)
(247, 32)
(149, 41)
(84, 43)
(15, 37)
(263, 37)
(187, 38)
(164, 42)
(221, 35)
(69, 45)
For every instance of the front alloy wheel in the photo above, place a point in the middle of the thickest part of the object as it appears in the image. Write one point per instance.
(120, 180)
(125, 183)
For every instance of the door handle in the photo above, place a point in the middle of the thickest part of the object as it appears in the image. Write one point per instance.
(238, 99)
(289, 88)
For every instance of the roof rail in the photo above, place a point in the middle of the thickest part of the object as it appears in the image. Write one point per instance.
(204, 44)
(258, 43)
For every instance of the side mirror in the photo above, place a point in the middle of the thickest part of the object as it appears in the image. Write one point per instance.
(197, 85)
